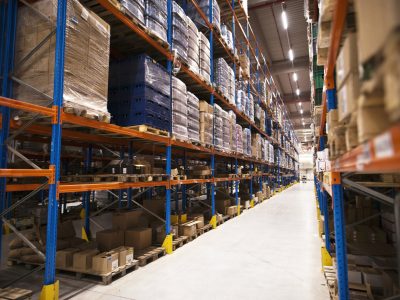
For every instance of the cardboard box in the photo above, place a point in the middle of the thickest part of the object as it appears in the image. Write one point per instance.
(376, 19)
(347, 61)
(155, 205)
(82, 260)
(65, 230)
(188, 228)
(128, 219)
(109, 239)
(138, 238)
(221, 205)
(231, 210)
(200, 220)
(105, 262)
(371, 120)
(64, 257)
(348, 97)
(125, 255)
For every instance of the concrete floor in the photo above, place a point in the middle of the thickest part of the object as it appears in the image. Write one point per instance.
(269, 252)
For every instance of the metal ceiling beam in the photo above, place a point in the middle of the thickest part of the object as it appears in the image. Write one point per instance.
(293, 99)
(265, 4)
(285, 66)
(304, 115)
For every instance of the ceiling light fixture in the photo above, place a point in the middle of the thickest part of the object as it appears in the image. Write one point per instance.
(298, 92)
(291, 55)
(295, 76)
(284, 19)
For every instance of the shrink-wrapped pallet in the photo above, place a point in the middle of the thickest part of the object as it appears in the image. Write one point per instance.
(156, 18)
(179, 109)
(179, 32)
(87, 49)
(204, 57)
(193, 118)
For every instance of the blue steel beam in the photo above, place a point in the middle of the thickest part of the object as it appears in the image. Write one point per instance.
(51, 237)
(340, 236)
(8, 29)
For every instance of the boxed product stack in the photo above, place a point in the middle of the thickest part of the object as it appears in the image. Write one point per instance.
(247, 142)
(156, 18)
(227, 132)
(239, 138)
(227, 37)
(241, 100)
(179, 32)
(193, 46)
(139, 93)
(221, 77)
(206, 122)
(218, 127)
(179, 109)
(231, 86)
(245, 64)
(193, 117)
(87, 49)
(251, 107)
(256, 145)
(134, 9)
(232, 118)
(205, 7)
(204, 57)
(271, 153)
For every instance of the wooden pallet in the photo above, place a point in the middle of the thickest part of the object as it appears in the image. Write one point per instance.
(92, 276)
(115, 177)
(149, 255)
(12, 293)
(149, 129)
(179, 242)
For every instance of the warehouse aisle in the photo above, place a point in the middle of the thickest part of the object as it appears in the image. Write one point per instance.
(270, 252)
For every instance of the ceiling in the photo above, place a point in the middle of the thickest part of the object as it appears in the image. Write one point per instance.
(273, 39)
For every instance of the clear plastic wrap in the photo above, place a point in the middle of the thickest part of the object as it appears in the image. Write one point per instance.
(139, 93)
(179, 109)
(247, 142)
(156, 18)
(87, 49)
(239, 138)
(204, 5)
(134, 9)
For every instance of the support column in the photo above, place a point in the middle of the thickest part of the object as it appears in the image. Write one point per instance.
(50, 289)
(340, 236)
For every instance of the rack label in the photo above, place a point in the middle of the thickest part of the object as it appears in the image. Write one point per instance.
(383, 146)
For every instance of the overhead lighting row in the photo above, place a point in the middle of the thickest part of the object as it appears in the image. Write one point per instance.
(295, 77)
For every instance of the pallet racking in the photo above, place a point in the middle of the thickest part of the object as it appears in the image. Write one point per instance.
(379, 155)
(57, 128)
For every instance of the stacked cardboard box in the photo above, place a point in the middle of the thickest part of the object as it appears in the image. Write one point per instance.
(204, 57)
(179, 109)
(193, 118)
(206, 119)
(87, 48)
(156, 18)
(179, 32)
